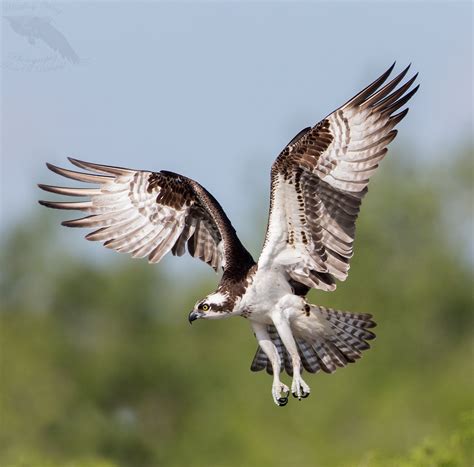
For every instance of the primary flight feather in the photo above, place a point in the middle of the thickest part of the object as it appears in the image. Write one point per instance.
(317, 185)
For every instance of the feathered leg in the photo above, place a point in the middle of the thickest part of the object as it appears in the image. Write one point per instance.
(299, 388)
(279, 390)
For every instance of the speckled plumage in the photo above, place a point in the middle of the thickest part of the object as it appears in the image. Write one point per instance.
(317, 185)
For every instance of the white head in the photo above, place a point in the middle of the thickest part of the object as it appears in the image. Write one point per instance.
(215, 306)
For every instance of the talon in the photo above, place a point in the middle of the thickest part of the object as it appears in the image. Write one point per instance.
(282, 401)
(303, 394)
(280, 394)
(296, 396)
(300, 389)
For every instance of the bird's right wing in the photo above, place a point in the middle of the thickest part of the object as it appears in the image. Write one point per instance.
(148, 214)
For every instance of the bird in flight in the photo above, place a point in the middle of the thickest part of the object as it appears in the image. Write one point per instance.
(34, 28)
(317, 185)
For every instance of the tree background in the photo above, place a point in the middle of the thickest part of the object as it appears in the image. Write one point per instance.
(100, 368)
(98, 364)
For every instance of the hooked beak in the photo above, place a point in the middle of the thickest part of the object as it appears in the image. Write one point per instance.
(194, 315)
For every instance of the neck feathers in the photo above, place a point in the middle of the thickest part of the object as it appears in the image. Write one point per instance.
(233, 287)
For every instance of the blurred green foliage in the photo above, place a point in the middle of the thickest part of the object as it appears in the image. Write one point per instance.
(99, 367)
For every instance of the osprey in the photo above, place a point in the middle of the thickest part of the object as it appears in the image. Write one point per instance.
(317, 185)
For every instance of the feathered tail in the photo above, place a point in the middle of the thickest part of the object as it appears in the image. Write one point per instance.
(338, 339)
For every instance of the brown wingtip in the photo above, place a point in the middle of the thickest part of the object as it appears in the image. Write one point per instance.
(51, 167)
(48, 204)
(397, 118)
(77, 162)
(79, 176)
(370, 89)
(101, 168)
(78, 206)
(405, 71)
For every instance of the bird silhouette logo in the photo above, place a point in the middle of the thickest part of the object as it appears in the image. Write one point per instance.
(40, 29)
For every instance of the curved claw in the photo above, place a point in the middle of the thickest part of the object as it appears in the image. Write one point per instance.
(282, 401)
(280, 393)
(303, 394)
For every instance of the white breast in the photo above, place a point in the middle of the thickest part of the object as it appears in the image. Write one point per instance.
(263, 294)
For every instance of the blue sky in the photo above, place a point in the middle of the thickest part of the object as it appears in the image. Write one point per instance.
(216, 90)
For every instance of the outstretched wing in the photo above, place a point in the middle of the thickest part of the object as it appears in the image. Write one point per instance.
(319, 180)
(52, 37)
(150, 213)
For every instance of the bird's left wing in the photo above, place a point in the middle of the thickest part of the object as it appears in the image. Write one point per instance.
(148, 214)
(319, 180)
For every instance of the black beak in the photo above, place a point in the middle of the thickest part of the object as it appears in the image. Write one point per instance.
(193, 316)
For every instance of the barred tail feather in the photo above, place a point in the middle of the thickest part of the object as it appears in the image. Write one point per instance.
(336, 339)
(260, 360)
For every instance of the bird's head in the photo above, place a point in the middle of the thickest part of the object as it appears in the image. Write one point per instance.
(215, 306)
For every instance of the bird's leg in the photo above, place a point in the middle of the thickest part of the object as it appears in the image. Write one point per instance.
(279, 390)
(299, 388)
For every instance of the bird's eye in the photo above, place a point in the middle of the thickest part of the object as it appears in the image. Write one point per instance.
(205, 307)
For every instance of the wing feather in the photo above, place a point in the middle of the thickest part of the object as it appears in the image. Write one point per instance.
(320, 179)
(148, 214)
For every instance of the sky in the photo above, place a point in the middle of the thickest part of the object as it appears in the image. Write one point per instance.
(214, 90)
